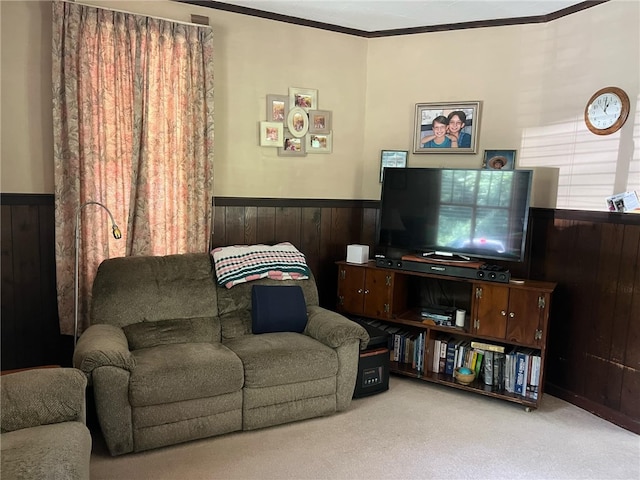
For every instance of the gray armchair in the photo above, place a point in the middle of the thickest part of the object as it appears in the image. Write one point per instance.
(44, 435)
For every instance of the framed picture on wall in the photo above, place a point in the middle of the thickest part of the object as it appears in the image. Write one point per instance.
(305, 98)
(319, 143)
(271, 134)
(499, 159)
(392, 159)
(293, 146)
(446, 127)
(298, 122)
(319, 121)
(277, 108)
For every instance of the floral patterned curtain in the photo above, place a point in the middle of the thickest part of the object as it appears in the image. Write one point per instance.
(133, 130)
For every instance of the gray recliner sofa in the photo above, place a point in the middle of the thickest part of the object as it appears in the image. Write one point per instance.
(44, 435)
(171, 355)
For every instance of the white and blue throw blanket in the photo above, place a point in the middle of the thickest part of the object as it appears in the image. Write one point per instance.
(244, 263)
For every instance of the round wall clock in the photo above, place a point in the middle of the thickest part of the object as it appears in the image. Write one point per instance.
(607, 110)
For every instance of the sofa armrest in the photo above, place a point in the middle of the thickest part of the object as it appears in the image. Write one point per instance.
(42, 397)
(334, 329)
(103, 345)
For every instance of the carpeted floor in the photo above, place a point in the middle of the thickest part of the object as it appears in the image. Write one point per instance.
(414, 431)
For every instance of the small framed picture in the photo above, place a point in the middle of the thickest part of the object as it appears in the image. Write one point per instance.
(499, 159)
(319, 121)
(277, 108)
(293, 146)
(392, 159)
(319, 143)
(271, 134)
(298, 122)
(305, 98)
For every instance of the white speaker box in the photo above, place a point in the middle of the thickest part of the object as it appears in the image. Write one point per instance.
(357, 253)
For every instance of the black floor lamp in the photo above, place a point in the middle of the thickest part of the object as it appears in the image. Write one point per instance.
(116, 234)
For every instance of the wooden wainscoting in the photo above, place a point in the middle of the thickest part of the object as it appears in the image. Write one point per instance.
(593, 359)
(321, 229)
(30, 331)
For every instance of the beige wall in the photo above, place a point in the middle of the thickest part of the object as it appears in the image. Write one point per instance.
(529, 78)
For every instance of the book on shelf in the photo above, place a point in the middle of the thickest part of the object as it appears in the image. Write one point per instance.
(498, 371)
(458, 360)
(443, 355)
(510, 370)
(535, 376)
(487, 346)
(451, 353)
(435, 366)
(479, 362)
(522, 372)
(419, 352)
(472, 359)
(487, 371)
(409, 352)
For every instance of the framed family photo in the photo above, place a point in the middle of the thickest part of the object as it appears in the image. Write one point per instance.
(319, 143)
(271, 134)
(293, 146)
(499, 159)
(450, 127)
(277, 108)
(392, 159)
(305, 98)
(319, 121)
(298, 122)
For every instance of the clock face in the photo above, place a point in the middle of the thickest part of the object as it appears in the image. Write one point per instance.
(605, 110)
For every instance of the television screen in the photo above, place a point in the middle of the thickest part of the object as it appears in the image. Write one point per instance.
(481, 214)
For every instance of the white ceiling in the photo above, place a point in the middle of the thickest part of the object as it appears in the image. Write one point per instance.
(380, 15)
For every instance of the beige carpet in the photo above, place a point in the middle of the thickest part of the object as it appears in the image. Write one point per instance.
(415, 430)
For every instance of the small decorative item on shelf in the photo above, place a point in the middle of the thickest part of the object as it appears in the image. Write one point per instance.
(464, 375)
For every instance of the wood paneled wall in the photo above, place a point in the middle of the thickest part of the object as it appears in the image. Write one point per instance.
(594, 341)
(30, 331)
(321, 229)
(594, 338)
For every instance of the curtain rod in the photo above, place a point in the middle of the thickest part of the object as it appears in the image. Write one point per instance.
(140, 14)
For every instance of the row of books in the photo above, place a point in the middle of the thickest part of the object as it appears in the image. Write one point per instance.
(512, 369)
(405, 346)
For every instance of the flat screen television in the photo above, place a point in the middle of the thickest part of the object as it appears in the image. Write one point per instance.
(455, 213)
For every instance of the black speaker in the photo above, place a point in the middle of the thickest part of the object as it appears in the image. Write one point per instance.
(493, 273)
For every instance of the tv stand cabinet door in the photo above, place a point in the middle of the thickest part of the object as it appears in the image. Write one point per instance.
(490, 307)
(378, 298)
(526, 317)
(351, 280)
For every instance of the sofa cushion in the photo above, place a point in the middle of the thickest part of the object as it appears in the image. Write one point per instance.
(130, 290)
(165, 332)
(282, 358)
(276, 308)
(183, 371)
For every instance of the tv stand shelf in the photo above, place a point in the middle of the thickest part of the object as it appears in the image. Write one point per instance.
(511, 316)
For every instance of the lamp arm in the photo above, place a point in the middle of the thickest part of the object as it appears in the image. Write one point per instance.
(117, 234)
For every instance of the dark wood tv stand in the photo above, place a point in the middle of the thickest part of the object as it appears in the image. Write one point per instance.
(506, 315)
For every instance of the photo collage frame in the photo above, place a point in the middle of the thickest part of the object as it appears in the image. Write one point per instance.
(295, 125)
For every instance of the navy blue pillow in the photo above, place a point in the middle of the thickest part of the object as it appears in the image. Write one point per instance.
(278, 308)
